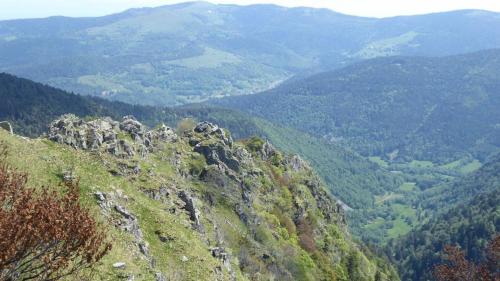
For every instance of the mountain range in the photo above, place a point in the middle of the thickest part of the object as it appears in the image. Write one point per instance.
(196, 51)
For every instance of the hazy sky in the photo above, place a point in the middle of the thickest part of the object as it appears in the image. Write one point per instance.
(11, 9)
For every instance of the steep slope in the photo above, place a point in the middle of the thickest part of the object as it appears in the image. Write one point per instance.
(195, 51)
(30, 107)
(196, 205)
(465, 213)
(398, 108)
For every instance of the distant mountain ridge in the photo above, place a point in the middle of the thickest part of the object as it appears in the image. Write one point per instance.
(196, 51)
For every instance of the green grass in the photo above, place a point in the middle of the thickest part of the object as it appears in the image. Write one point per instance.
(421, 164)
(464, 168)
(375, 224)
(45, 160)
(452, 165)
(381, 162)
(386, 197)
(407, 186)
(211, 58)
(404, 210)
(400, 228)
(387, 46)
(470, 167)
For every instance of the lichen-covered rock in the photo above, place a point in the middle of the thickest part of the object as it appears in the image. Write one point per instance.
(107, 135)
(190, 207)
(268, 151)
(296, 163)
(210, 130)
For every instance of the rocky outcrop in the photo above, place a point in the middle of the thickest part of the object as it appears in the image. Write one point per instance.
(190, 207)
(252, 199)
(296, 163)
(217, 147)
(125, 220)
(210, 130)
(6, 126)
(268, 151)
(124, 139)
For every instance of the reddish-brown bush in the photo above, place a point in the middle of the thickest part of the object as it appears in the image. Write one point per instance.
(44, 235)
(458, 268)
(306, 235)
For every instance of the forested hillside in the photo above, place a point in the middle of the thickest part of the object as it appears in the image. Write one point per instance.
(397, 108)
(195, 51)
(352, 179)
(465, 213)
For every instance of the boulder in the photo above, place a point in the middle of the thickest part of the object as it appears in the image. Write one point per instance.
(268, 151)
(119, 265)
(217, 154)
(296, 163)
(210, 130)
(190, 207)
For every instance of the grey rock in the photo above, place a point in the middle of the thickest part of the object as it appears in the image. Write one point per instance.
(268, 151)
(131, 125)
(163, 134)
(100, 196)
(144, 249)
(213, 131)
(119, 265)
(203, 127)
(68, 176)
(217, 154)
(190, 207)
(160, 194)
(160, 277)
(296, 163)
(122, 211)
(7, 126)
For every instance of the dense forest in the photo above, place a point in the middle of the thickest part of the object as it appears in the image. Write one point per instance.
(464, 213)
(397, 108)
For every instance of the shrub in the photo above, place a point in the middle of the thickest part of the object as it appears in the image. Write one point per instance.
(458, 268)
(306, 236)
(185, 125)
(255, 144)
(44, 235)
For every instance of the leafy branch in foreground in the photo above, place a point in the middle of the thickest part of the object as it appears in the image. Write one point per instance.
(44, 235)
(459, 268)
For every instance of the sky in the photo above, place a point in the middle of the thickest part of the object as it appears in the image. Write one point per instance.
(14, 9)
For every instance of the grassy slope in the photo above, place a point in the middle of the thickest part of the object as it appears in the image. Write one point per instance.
(31, 106)
(45, 162)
